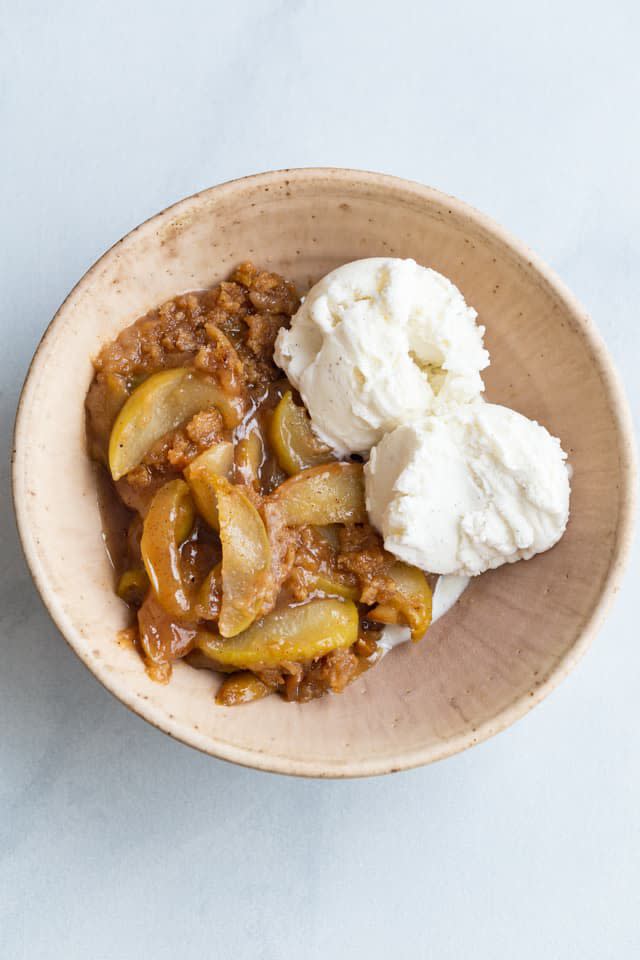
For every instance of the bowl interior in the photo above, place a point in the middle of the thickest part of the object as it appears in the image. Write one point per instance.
(515, 631)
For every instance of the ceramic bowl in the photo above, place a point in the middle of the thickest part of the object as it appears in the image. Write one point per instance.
(515, 633)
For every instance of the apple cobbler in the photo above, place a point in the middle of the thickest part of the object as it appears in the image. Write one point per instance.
(240, 543)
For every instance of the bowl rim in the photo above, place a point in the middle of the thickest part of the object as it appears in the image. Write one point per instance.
(280, 763)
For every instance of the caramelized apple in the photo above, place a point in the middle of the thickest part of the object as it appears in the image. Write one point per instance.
(243, 687)
(217, 461)
(160, 404)
(294, 442)
(167, 524)
(246, 559)
(207, 605)
(133, 585)
(291, 634)
(249, 455)
(411, 603)
(331, 493)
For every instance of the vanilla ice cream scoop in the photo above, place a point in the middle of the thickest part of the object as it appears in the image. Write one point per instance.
(378, 343)
(469, 490)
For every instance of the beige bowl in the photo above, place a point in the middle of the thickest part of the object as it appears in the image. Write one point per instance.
(516, 632)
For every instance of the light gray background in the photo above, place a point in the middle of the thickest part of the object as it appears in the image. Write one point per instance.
(116, 842)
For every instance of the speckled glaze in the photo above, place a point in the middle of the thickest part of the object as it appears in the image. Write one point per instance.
(515, 633)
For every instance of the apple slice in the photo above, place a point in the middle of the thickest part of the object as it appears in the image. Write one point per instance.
(333, 586)
(133, 585)
(207, 605)
(292, 634)
(331, 493)
(160, 404)
(217, 461)
(243, 687)
(166, 525)
(249, 455)
(410, 604)
(246, 559)
(296, 445)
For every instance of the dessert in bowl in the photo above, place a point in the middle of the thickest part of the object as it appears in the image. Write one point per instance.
(245, 534)
(516, 629)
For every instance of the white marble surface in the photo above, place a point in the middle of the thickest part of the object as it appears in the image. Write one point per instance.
(116, 842)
